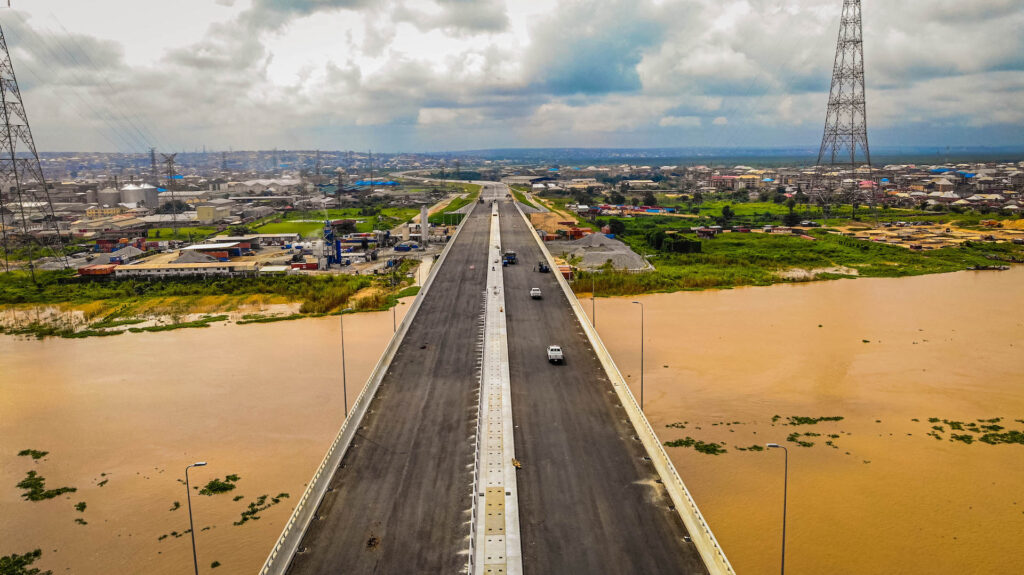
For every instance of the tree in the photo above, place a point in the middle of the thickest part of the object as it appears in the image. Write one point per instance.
(650, 199)
(698, 198)
(616, 226)
(727, 213)
(617, 198)
(635, 201)
(239, 230)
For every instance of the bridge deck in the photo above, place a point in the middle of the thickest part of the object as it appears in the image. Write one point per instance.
(400, 502)
(588, 502)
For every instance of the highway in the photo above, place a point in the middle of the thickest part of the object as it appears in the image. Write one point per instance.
(400, 501)
(588, 500)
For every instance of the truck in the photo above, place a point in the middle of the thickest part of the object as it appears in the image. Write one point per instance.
(535, 293)
(510, 257)
(555, 354)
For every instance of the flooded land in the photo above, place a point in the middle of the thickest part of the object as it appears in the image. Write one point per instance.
(881, 490)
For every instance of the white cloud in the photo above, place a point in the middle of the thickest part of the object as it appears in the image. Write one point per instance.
(680, 122)
(441, 74)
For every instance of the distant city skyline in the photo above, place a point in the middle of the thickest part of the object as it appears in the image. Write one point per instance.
(435, 75)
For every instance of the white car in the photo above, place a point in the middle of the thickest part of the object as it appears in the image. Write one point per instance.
(555, 354)
(535, 293)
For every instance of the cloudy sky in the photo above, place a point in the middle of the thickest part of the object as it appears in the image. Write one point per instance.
(435, 75)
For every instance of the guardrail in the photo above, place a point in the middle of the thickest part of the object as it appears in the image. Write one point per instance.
(291, 536)
(700, 532)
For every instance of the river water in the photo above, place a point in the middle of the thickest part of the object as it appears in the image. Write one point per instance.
(264, 401)
(888, 498)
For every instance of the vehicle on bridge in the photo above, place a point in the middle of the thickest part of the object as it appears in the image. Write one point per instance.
(535, 293)
(510, 257)
(555, 354)
(543, 268)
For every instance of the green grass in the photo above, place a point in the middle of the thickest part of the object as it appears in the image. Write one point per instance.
(304, 229)
(736, 259)
(521, 197)
(186, 233)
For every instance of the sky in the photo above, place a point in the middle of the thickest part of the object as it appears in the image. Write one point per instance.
(446, 75)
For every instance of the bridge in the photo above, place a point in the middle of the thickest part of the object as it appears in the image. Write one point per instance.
(468, 453)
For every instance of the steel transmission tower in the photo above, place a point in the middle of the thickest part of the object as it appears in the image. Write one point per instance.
(846, 124)
(24, 199)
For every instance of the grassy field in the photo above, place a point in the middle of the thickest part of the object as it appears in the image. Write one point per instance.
(310, 223)
(517, 191)
(445, 215)
(186, 233)
(738, 259)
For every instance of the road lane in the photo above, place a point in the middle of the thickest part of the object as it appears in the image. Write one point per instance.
(588, 500)
(400, 501)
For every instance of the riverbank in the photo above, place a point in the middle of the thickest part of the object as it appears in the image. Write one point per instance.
(761, 259)
(59, 306)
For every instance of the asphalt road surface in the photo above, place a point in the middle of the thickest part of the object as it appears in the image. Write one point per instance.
(400, 501)
(588, 501)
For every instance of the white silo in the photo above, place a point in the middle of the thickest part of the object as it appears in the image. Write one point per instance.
(108, 197)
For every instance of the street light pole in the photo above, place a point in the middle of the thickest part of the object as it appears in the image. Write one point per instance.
(593, 303)
(641, 354)
(785, 489)
(344, 383)
(191, 527)
(394, 318)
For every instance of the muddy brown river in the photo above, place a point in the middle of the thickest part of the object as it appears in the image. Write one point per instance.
(888, 498)
(264, 401)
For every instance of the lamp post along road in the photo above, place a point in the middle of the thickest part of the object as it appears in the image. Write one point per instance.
(344, 382)
(785, 489)
(641, 354)
(593, 303)
(191, 528)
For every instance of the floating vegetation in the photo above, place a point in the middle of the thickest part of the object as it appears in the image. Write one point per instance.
(795, 438)
(754, 447)
(215, 565)
(35, 488)
(102, 483)
(80, 507)
(202, 322)
(81, 521)
(702, 447)
(237, 497)
(1008, 437)
(800, 420)
(15, 564)
(216, 486)
(677, 425)
(251, 513)
(34, 454)
(175, 506)
(965, 438)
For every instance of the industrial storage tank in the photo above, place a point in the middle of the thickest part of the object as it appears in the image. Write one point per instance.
(91, 196)
(108, 197)
(144, 195)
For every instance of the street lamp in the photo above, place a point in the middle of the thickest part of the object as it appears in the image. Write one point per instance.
(344, 383)
(641, 354)
(191, 527)
(785, 489)
(593, 303)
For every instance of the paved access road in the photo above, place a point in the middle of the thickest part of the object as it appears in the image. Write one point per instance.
(401, 499)
(588, 501)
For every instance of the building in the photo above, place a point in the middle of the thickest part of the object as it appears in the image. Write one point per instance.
(104, 211)
(213, 211)
(187, 269)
